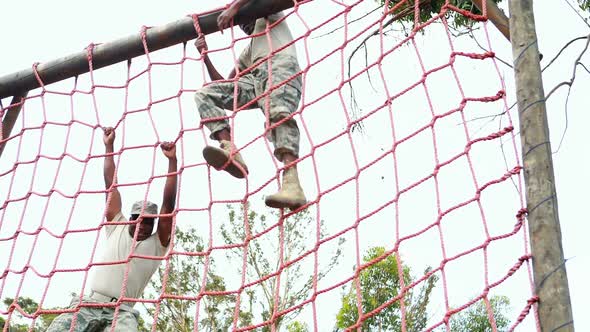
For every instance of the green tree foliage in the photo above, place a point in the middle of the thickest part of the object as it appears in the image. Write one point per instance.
(475, 318)
(428, 8)
(263, 259)
(30, 307)
(379, 283)
(296, 326)
(184, 277)
(141, 325)
(584, 4)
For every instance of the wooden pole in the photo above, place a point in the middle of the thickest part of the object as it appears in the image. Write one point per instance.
(551, 285)
(495, 15)
(10, 117)
(129, 47)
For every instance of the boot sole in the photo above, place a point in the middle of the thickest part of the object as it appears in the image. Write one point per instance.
(279, 204)
(217, 159)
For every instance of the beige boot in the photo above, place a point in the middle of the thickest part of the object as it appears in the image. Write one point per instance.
(291, 194)
(222, 159)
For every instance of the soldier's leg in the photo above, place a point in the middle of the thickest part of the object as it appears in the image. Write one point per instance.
(284, 132)
(280, 104)
(63, 322)
(126, 321)
(211, 102)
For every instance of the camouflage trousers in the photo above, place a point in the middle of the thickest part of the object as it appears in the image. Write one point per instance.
(95, 319)
(281, 102)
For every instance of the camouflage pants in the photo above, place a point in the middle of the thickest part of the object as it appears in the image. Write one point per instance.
(212, 99)
(95, 319)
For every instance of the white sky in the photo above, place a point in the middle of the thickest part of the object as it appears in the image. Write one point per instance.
(44, 31)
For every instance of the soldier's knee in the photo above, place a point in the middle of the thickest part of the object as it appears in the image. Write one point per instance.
(206, 91)
(200, 96)
(279, 113)
(60, 323)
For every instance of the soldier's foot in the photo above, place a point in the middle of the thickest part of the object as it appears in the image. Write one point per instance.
(222, 159)
(291, 194)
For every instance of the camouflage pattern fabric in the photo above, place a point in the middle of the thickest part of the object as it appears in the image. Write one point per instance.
(95, 319)
(216, 97)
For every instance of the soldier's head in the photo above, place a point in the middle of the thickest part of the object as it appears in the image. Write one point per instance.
(248, 27)
(142, 211)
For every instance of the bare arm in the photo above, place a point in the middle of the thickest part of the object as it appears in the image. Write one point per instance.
(114, 206)
(169, 196)
(226, 17)
(201, 45)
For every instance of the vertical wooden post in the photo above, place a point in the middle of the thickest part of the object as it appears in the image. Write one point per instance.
(554, 307)
(495, 15)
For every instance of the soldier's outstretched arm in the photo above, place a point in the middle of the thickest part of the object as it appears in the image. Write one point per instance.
(169, 196)
(201, 45)
(224, 19)
(114, 203)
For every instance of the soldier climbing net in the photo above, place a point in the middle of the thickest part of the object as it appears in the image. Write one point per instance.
(409, 160)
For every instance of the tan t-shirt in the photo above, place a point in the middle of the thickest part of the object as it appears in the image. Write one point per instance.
(260, 47)
(108, 279)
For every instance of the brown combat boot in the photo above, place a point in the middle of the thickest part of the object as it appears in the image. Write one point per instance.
(222, 159)
(291, 194)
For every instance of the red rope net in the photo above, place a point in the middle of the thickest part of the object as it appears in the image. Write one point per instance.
(409, 160)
